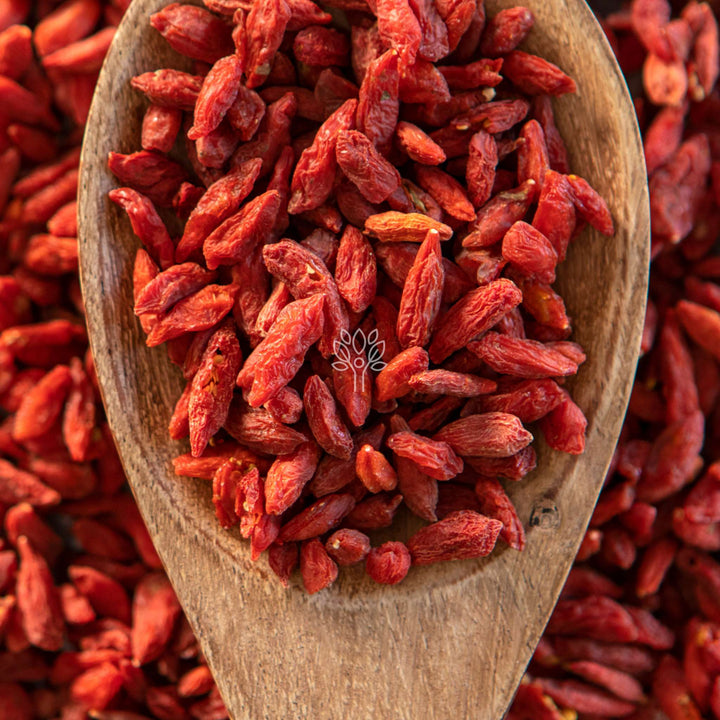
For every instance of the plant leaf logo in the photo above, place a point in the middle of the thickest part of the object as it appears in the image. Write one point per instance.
(357, 353)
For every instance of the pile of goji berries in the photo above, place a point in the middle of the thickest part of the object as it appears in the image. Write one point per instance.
(637, 630)
(403, 156)
(87, 617)
(89, 625)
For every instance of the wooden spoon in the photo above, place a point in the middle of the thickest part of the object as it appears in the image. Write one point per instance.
(453, 640)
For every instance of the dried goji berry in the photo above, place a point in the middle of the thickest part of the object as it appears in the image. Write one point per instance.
(264, 27)
(290, 263)
(389, 563)
(394, 226)
(373, 468)
(347, 547)
(318, 570)
(288, 475)
(160, 128)
(320, 46)
(149, 173)
(496, 504)
(363, 165)
(217, 94)
(506, 30)
(422, 294)
(318, 518)
(38, 599)
(237, 236)
(259, 429)
(434, 457)
(481, 166)
(496, 217)
(355, 270)
(199, 311)
(461, 535)
(315, 170)
(419, 146)
(212, 387)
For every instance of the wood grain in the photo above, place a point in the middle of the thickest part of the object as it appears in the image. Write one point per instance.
(451, 641)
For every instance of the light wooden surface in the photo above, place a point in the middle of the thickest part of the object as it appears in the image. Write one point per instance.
(452, 640)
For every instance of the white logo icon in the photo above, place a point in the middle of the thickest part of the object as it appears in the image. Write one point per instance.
(357, 352)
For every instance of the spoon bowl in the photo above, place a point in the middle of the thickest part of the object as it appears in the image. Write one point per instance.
(452, 640)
